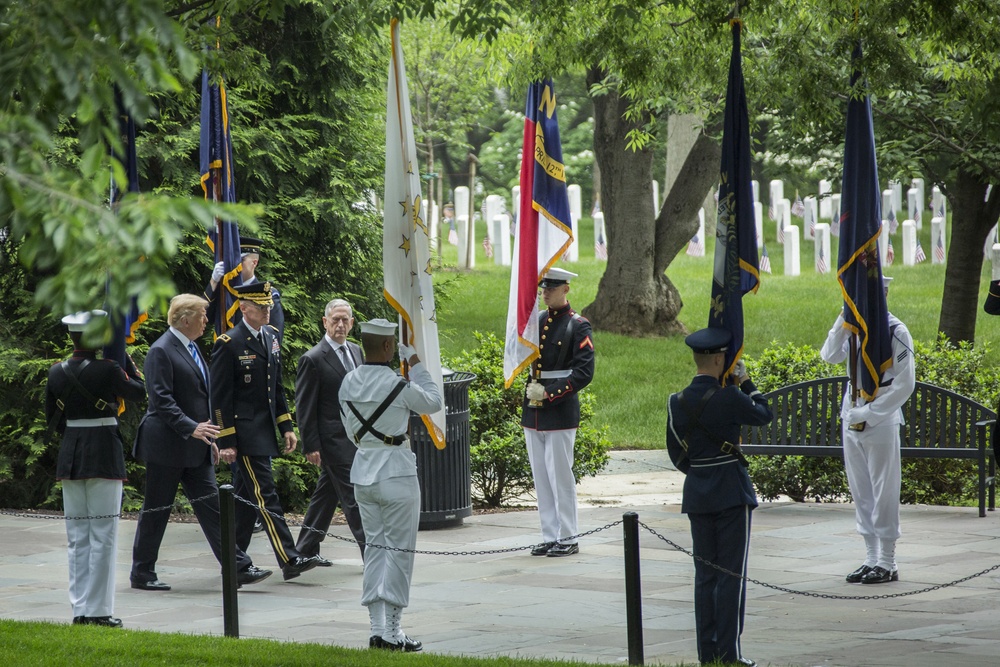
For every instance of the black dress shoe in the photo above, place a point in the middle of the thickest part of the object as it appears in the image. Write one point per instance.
(408, 645)
(258, 526)
(746, 661)
(880, 575)
(297, 566)
(154, 585)
(542, 549)
(856, 576)
(79, 620)
(104, 621)
(374, 642)
(563, 550)
(252, 575)
(322, 562)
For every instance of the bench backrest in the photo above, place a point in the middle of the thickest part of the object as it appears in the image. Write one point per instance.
(808, 413)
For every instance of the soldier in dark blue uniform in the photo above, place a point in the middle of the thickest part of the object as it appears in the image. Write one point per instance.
(250, 406)
(703, 432)
(250, 249)
(81, 401)
(550, 414)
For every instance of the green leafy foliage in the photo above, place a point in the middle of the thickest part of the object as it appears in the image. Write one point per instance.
(962, 369)
(500, 468)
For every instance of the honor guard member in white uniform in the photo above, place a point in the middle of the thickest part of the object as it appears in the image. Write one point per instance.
(375, 405)
(550, 413)
(703, 435)
(250, 407)
(81, 401)
(871, 448)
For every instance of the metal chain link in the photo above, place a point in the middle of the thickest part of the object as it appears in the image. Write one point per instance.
(825, 596)
(62, 517)
(483, 552)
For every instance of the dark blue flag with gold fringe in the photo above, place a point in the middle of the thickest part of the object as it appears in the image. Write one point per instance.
(860, 269)
(736, 270)
(218, 184)
(124, 324)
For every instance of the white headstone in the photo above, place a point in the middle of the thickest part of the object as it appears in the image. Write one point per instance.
(792, 251)
(501, 239)
(939, 248)
(809, 217)
(883, 243)
(756, 189)
(887, 204)
(462, 230)
(821, 253)
(656, 198)
(918, 183)
(914, 209)
(909, 242)
(897, 197)
(599, 236)
(824, 202)
(939, 205)
(758, 219)
(461, 202)
(515, 199)
(777, 194)
(699, 250)
(494, 206)
(785, 220)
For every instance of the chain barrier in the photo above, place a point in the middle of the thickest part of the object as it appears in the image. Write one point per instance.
(825, 596)
(490, 552)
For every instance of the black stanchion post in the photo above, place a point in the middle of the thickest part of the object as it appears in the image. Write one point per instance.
(633, 588)
(230, 604)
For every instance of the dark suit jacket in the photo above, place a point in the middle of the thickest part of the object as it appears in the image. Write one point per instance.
(178, 401)
(247, 397)
(317, 406)
(714, 481)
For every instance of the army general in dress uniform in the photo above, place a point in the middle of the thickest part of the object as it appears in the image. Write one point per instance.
(550, 414)
(703, 432)
(250, 249)
(250, 407)
(82, 398)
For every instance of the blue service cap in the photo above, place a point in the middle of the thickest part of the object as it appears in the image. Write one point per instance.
(250, 245)
(712, 340)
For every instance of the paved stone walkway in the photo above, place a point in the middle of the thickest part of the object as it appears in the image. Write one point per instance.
(574, 608)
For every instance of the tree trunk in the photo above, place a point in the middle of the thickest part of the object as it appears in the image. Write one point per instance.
(635, 297)
(972, 219)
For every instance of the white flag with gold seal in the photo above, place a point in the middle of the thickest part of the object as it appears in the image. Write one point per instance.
(406, 257)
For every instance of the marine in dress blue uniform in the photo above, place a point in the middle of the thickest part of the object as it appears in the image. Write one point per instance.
(550, 413)
(82, 396)
(703, 431)
(250, 406)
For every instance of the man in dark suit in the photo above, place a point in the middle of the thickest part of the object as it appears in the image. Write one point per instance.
(250, 407)
(176, 440)
(324, 439)
(703, 434)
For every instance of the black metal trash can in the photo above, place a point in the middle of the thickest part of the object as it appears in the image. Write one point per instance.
(445, 474)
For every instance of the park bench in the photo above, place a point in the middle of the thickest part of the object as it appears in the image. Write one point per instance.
(939, 424)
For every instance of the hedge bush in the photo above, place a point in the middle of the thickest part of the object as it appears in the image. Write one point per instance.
(960, 368)
(500, 468)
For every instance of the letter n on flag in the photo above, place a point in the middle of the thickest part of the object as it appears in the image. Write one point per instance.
(736, 268)
(859, 266)
(544, 231)
(406, 257)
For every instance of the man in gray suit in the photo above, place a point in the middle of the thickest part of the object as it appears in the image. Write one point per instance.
(324, 439)
(176, 440)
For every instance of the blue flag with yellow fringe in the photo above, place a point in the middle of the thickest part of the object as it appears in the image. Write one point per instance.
(218, 184)
(859, 265)
(736, 269)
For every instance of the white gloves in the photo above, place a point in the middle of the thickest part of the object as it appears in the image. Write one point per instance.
(740, 369)
(535, 392)
(405, 352)
(856, 415)
(218, 272)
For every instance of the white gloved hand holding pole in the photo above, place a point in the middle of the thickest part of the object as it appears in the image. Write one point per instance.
(535, 391)
(218, 272)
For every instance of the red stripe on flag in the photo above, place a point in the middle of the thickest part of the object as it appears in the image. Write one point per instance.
(527, 272)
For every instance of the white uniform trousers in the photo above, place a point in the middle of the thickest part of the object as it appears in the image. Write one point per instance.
(92, 544)
(390, 515)
(872, 462)
(551, 456)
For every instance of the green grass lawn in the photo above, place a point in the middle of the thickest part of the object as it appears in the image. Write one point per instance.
(634, 376)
